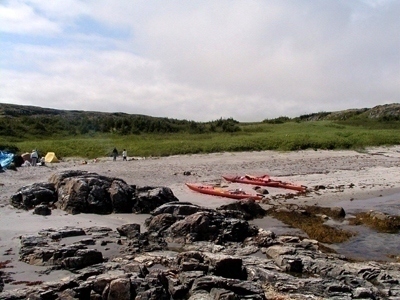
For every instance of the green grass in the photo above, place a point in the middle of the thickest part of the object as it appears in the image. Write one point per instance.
(290, 136)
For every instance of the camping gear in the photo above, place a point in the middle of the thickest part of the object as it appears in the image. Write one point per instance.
(26, 156)
(217, 191)
(265, 180)
(51, 158)
(5, 159)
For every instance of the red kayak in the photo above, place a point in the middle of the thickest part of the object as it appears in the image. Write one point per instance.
(265, 181)
(216, 191)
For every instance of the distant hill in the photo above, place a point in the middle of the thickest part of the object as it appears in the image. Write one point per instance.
(386, 112)
(20, 121)
(31, 121)
(390, 111)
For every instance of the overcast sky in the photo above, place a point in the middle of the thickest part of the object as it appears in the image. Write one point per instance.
(200, 60)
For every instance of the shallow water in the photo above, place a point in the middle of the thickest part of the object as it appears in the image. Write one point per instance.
(367, 244)
(387, 204)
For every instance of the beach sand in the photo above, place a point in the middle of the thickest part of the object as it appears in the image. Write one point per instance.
(334, 178)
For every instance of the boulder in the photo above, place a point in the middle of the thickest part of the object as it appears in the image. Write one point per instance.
(92, 193)
(42, 210)
(28, 197)
(82, 258)
(210, 226)
(146, 199)
(131, 231)
(249, 208)
(160, 222)
(178, 209)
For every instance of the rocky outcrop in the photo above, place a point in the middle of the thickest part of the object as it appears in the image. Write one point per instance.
(149, 198)
(93, 193)
(84, 192)
(189, 252)
(28, 197)
(186, 222)
(262, 266)
(248, 209)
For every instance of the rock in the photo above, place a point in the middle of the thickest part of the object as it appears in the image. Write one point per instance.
(223, 258)
(222, 294)
(227, 266)
(241, 288)
(84, 192)
(120, 289)
(210, 226)
(58, 178)
(131, 231)
(42, 210)
(28, 197)
(82, 258)
(90, 193)
(195, 227)
(160, 222)
(178, 209)
(147, 199)
(250, 208)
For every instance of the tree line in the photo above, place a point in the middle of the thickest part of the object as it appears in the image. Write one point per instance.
(121, 124)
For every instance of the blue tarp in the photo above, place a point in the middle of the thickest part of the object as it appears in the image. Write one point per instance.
(5, 159)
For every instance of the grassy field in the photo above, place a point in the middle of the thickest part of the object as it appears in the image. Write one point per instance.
(288, 136)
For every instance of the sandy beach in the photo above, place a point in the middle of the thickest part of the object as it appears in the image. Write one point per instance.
(371, 173)
(335, 178)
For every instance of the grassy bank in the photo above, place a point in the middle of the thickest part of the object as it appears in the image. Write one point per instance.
(288, 136)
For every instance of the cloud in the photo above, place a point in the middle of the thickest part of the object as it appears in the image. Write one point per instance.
(249, 60)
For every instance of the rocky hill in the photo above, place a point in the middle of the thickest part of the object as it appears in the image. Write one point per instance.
(385, 112)
(388, 111)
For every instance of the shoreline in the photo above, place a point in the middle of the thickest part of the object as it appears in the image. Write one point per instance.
(330, 175)
(335, 178)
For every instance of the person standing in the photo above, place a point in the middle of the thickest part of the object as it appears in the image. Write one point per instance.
(115, 154)
(124, 154)
(34, 157)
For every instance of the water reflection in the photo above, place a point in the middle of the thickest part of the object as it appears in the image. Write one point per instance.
(367, 244)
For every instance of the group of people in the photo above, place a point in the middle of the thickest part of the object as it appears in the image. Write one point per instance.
(115, 154)
(35, 158)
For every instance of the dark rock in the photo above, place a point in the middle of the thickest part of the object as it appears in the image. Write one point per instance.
(120, 195)
(147, 199)
(28, 197)
(160, 222)
(63, 232)
(210, 226)
(239, 287)
(178, 209)
(42, 210)
(195, 227)
(227, 266)
(58, 178)
(250, 208)
(222, 294)
(82, 258)
(85, 194)
(131, 231)
(119, 289)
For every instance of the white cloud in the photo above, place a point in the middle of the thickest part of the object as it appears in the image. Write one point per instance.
(21, 18)
(203, 60)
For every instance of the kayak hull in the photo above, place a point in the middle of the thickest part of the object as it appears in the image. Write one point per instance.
(211, 190)
(265, 181)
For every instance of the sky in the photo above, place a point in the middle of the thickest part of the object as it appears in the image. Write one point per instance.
(202, 60)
